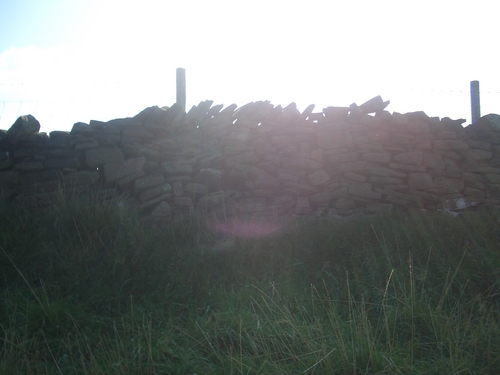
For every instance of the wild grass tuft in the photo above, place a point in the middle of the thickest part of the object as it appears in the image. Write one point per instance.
(87, 289)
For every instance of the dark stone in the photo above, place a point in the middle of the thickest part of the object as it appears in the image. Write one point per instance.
(24, 126)
(210, 178)
(418, 116)
(80, 127)
(57, 142)
(59, 134)
(453, 124)
(489, 122)
(373, 105)
(336, 112)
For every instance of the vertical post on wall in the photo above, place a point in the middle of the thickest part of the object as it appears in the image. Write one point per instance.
(474, 101)
(181, 88)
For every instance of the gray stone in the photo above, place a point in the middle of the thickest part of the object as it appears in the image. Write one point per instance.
(336, 112)
(265, 180)
(237, 149)
(86, 144)
(162, 211)
(408, 167)
(401, 198)
(493, 178)
(155, 115)
(210, 177)
(57, 142)
(137, 134)
(148, 181)
(481, 145)
(318, 177)
(451, 184)
(433, 161)
(127, 182)
(246, 158)
(490, 122)
(212, 200)
(364, 193)
(385, 172)
(418, 127)
(302, 163)
(183, 202)
(146, 206)
(97, 157)
(23, 126)
(373, 105)
(380, 181)
(413, 157)
(317, 154)
(330, 140)
(287, 176)
(178, 188)
(80, 128)
(280, 199)
(117, 170)
(424, 195)
(355, 184)
(446, 135)
(352, 166)
(457, 145)
(302, 206)
(399, 118)
(486, 169)
(154, 192)
(322, 197)
(420, 181)
(343, 157)
(474, 193)
(343, 203)
(197, 189)
(247, 205)
(377, 157)
(295, 188)
(370, 121)
(378, 208)
(476, 154)
(397, 187)
(458, 204)
(355, 176)
(176, 178)
(177, 168)
(29, 166)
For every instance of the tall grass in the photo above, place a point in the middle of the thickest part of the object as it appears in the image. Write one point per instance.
(87, 289)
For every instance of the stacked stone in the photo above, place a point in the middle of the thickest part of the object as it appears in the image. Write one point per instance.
(260, 160)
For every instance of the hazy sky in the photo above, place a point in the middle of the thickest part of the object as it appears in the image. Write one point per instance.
(66, 61)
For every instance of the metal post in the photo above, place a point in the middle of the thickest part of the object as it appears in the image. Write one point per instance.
(181, 88)
(474, 101)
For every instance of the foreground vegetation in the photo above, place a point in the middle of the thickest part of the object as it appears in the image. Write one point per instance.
(85, 289)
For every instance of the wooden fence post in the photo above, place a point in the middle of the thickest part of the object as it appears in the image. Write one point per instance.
(181, 88)
(474, 101)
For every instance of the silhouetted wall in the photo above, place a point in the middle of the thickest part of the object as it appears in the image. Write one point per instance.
(259, 160)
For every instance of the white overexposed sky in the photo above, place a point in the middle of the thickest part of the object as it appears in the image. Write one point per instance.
(67, 61)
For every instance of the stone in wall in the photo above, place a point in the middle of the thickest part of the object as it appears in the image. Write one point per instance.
(22, 128)
(260, 160)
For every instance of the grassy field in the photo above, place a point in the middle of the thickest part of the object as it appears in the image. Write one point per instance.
(85, 289)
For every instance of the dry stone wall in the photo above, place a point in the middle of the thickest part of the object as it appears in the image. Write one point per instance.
(260, 160)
